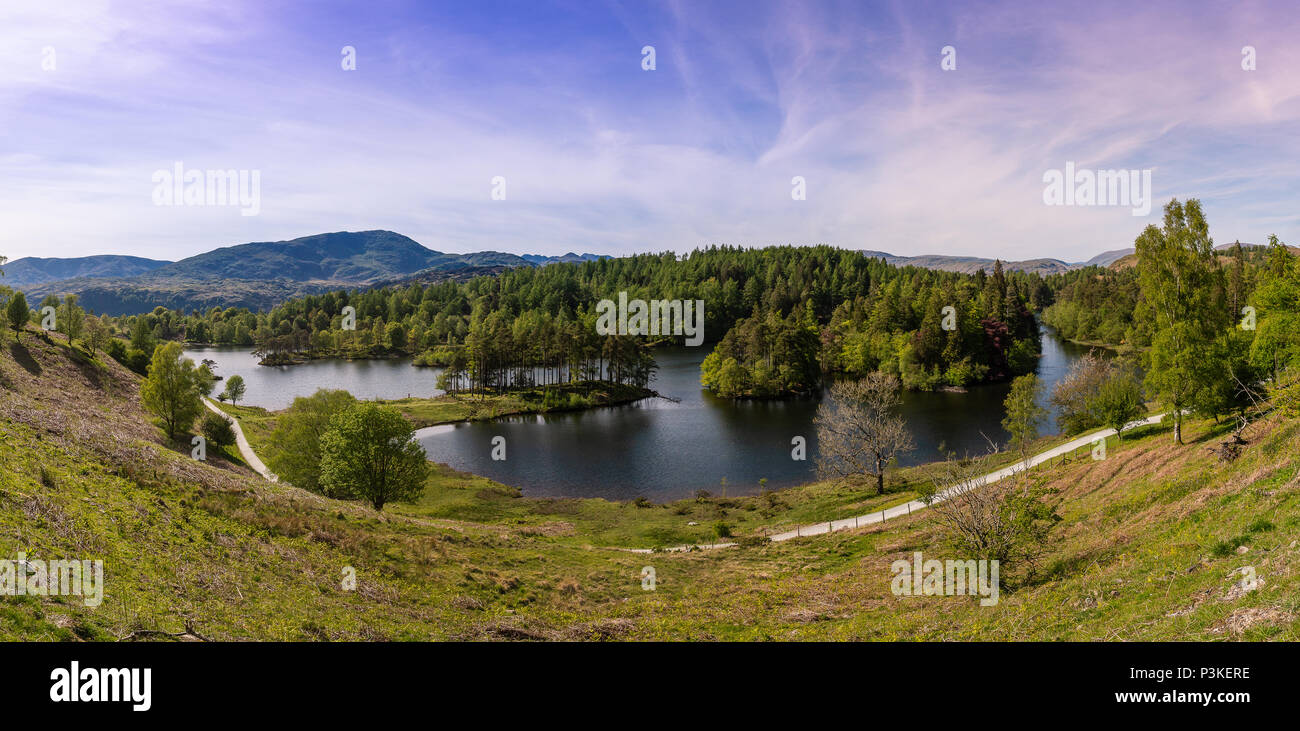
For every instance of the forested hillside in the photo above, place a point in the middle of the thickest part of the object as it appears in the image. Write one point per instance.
(1097, 304)
(823, 310)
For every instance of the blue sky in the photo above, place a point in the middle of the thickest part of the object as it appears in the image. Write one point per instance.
(600, 155)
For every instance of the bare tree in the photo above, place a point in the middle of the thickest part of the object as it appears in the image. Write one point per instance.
(1073, 392)
(857, 430)
(1007, 521)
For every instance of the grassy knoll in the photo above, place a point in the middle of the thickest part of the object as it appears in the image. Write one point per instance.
(1150, 546)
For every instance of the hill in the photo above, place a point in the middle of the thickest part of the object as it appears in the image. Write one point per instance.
(1116, 258)
(1152, 544)
(1106, 258)
(971, 264)
(1127, 258)
(31, 271)
(344, 257)
(539, 260)
(260, 275)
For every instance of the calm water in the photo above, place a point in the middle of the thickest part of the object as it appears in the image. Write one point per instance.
(655, 448)
(274, 387)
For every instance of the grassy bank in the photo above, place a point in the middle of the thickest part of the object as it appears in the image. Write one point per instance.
(1151, 546)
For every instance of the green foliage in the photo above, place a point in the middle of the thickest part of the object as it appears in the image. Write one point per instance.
(841, 311)
(1117, 400)
(235, 389)
(295, 446)
(1182, 290)
(171, 391)
(1096, 305)
(207, 380)
(71, 319)
(1023, 414)
(1276, 346)
(764, 356)
(217, 429)
(17, 312)
(369, 453)
(98, 334)
(142, 339)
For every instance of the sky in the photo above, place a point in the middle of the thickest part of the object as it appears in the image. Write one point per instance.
(599, 154)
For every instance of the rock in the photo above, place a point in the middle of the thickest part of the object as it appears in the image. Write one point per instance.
(1243, 587)
(1243, 549)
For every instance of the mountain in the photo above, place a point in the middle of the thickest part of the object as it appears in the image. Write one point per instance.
(261, 274)
(539, 260)
(31, 271)
(1116, 258)
(1106, 258)
(1126, 258)
(971, 264)
(345, 257)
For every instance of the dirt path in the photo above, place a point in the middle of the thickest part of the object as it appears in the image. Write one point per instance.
(906, 509)
(245, 449)
(815, 529)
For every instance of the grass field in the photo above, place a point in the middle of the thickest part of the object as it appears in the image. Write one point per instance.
(1151, 544)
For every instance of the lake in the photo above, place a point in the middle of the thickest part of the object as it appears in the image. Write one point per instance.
(275, 387)
(656, 448)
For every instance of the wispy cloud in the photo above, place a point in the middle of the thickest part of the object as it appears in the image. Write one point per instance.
(600, 155)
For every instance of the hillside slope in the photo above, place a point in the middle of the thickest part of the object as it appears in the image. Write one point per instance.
(1152, 545)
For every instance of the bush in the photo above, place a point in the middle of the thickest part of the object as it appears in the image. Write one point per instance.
(722, 529)
(217, 430)
(137, 360)
(1260, 526)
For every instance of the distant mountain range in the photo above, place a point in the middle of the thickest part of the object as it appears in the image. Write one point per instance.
(972, 264)
(33, 270)
(262, 274)
(255, 275)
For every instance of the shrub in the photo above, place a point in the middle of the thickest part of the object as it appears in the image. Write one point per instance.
(1261, 525)
(722, 529)
(137, 360)
(217, 430)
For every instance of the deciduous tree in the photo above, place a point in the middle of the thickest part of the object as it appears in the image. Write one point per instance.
(171, 390)
(858, 432)
(369, 453)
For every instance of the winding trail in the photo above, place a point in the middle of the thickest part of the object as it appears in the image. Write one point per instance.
(815, 529)
(245, 449)
(906, 509)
